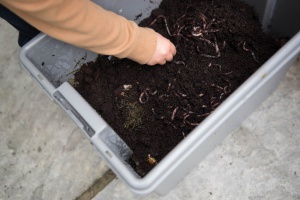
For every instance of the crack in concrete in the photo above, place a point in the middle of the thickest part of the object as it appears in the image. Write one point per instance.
(97, 186)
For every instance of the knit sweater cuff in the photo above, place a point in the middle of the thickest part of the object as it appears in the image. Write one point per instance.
(144, 46)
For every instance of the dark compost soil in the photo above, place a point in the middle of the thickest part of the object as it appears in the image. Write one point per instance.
(219, 45)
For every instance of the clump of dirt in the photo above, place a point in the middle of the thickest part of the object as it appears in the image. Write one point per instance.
(219, 44)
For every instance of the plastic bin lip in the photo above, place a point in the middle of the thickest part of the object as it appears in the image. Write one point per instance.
(34, 72)
(174, 158)
(29, 45)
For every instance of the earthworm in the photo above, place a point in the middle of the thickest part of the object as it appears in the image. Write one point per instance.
(227, 81)
(181, 94)
(144, 96)
(224, 44)
(185, 115)
(152, 92)
(252, 53)
(225, 90)
(189, 123)
(166, 24)
(212, 100)
(174, 113)
(210, 23)
(213, 21)
(196, 32)
(177, 95)
(179, 30)
(215, 45)
(192, 124)
(182, 16)
(167, 27)
(159, 117)
(221, 96)
(163, 97)
(211, 31)
(169, 87)
(174, 126)
(203, 115)
(216, 86)
(228, 73)
(203, 20)
(209, 56)
(179, 63)
(188, 111)
(217, 65)
(207, 41)
(244, 47)
(217, 48)
(215, 105)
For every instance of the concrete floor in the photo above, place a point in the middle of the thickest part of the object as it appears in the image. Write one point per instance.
(43, 155)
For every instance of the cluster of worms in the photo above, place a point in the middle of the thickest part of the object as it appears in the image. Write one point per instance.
(183, 114)
(194, 28)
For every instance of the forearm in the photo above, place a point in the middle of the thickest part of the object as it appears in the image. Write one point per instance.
(85, 24)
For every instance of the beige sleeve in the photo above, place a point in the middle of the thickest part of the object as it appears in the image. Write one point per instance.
(85, 24)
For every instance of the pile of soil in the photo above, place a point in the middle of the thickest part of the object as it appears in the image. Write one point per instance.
(219, 45)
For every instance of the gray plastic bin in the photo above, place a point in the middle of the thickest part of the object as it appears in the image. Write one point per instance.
(51, 63)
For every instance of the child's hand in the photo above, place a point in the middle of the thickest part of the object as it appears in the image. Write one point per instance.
(165, 50)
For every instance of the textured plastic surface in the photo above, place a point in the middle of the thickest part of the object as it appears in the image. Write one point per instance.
(51, 63)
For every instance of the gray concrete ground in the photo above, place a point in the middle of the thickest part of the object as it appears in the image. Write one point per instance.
(43, 155)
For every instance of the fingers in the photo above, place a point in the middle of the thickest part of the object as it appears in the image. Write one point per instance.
(165, 51)
(169, 57)
(173, 49)
(172, 53)
(162, 62)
